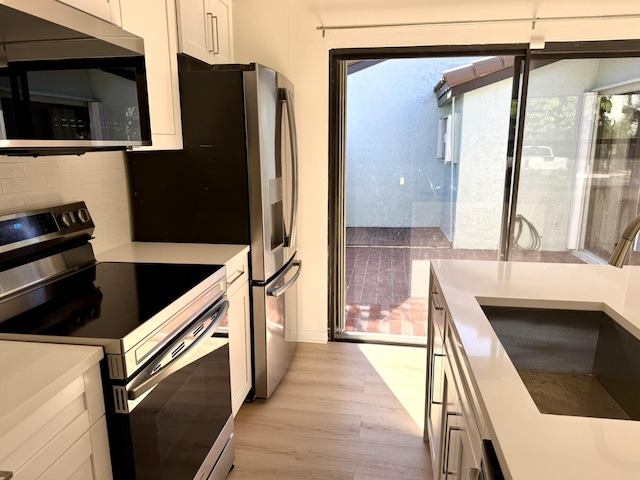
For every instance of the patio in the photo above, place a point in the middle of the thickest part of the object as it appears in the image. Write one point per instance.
(387, 271)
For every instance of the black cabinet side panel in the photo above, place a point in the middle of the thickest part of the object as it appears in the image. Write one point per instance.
(199, 194)
(194, 195)
(212, 105)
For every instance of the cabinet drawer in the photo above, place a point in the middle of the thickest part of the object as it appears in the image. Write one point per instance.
(75, 463)
(438, 308)
(88, 458)
(237, 272)
(468, 406)
(34, 442)
(54, 450)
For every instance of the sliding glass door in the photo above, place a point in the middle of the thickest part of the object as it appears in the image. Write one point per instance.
(422, 144)
(487, 153)
(579, 178)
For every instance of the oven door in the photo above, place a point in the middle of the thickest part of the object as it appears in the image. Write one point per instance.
(172, 420)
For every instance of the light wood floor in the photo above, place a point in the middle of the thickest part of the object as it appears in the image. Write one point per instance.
(343, 411)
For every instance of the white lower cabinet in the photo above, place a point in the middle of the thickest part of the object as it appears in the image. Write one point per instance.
(60, 437)
(451, 420)
(459, 459)
(239, 329)
(84, 459)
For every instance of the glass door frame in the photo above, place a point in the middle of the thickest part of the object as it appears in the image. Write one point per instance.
(524, 56)
(520, 90)
(338, 59)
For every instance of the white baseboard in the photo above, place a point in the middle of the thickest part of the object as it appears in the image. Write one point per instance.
(310, 336)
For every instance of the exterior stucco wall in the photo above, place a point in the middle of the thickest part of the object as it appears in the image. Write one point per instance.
(393, 176)
(483, 131)
(545, 197)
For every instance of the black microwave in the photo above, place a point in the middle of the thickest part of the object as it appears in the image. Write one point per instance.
(72, 106)
(70, 82)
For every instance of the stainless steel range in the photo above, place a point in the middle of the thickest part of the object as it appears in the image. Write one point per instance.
(166, 372)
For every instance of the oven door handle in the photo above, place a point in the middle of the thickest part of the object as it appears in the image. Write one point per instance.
(178, 352)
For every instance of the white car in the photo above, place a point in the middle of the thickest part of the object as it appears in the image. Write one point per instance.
(540, 157)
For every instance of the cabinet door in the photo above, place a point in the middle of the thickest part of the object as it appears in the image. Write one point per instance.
(239, 329)
(469, 467)
(436, 400)
(221, 31)
(239, 346)
(100, 454)
(458, 461)
(436, 385)
(192, 32)
(155, 22)
(108, 10)
(453, 430)
(205, 30)
(87, 459)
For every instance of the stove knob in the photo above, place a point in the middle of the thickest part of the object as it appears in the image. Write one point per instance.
(83, 215)
(66, 219)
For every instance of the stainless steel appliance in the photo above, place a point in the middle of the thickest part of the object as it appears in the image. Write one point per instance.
(166, 373)
(235, 181)
(69, 82)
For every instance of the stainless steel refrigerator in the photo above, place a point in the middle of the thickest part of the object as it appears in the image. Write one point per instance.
(235, 181)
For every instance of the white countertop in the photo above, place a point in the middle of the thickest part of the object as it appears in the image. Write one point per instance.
(31, 373)
(158, 252)
(533, 445)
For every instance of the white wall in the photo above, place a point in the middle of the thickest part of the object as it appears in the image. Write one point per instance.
(283, 33)
(393, 176)
(96, 178)
(484, 127)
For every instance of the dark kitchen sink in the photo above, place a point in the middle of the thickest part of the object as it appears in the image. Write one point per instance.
(573, 362)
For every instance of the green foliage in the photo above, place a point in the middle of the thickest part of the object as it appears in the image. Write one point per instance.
(626, 123)
(551, 117)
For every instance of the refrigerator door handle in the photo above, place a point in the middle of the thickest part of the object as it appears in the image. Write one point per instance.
(290, 239)
(277, 291)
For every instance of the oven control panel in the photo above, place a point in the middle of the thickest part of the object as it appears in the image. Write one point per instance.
(29, 227)
(69, 218)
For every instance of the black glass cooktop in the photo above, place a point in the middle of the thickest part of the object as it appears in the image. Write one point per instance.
(105, 301)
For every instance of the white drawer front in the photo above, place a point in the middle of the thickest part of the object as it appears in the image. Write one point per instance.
(237, 272)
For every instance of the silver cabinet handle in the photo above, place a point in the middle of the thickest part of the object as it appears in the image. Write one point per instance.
(5, 475)
(436, 303)
(431, 383)
(473, 473)
(215, 41)
(233, 280)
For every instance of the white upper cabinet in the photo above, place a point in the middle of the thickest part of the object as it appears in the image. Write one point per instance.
(205, 30)
(108, 10)
(155, 22)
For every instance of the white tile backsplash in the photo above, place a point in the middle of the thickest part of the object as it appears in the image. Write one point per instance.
(97, 178)
(43, 168)
(24, 184)
(11, 170)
